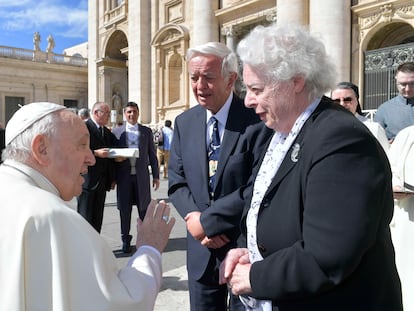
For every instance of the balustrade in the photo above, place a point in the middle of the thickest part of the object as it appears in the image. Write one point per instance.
(42, 57)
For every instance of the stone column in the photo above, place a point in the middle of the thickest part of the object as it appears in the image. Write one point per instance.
(230, 33)
(139, 57)
(93, 53)
(156, 90)
(292, 11)
(205, 26)
(331, 19)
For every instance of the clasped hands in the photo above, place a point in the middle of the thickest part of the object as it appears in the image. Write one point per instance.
(235, 271)
(195, 228)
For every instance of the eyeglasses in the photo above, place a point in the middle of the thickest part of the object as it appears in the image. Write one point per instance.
(344, 99)
(404, 85)
(105, 112)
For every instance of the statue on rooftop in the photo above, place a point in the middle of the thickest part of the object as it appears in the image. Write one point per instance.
(50, 44)
(36, 41)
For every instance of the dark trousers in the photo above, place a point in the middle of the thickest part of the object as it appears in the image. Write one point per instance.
(207, 295)
(125, 210)
(91, 205)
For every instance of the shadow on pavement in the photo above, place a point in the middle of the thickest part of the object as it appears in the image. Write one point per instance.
(173, 283)
(176, 244)
(120, 254)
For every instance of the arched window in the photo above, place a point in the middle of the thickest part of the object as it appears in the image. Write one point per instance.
(175, 71)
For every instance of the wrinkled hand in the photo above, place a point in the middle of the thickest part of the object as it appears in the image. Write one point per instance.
(235, 271)
(215, 241)
(233, 257)
(239, 281)
(154, 230)
(194, 225)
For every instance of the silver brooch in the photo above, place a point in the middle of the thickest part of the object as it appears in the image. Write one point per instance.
(295, 152)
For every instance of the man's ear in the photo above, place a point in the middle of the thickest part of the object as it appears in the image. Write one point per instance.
(40, 145)
(231, 79)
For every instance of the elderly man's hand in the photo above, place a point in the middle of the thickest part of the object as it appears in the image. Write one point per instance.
(217, 241)
(194, 226)
(101, 153)
(156, 227)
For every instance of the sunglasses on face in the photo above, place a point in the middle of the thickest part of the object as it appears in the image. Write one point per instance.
(343, 99)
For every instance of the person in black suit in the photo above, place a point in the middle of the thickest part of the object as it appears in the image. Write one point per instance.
(212, 212)
(317, 221)
(100, 177)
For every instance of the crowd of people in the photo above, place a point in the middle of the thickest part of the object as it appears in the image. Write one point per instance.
(292, 200)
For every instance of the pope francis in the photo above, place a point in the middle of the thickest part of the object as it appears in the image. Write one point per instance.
(50, 257)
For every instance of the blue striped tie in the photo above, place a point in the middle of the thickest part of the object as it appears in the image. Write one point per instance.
(213, 154)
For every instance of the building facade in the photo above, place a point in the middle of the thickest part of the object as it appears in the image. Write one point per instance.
(33, 75)
(136, 49)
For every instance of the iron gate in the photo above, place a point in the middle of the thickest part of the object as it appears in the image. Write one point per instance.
(379, 72)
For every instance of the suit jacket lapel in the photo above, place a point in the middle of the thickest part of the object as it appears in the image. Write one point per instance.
(230, 137)
(122, 137)
(96, 131)
(197, 138)
(141, 137)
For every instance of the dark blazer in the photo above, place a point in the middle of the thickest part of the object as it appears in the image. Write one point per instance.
(188, 177)
(2, 141)
(103, 170)
(323, 225)
(147, 156)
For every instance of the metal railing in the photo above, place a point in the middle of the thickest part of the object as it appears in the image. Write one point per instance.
(379, 72)
(369, 113)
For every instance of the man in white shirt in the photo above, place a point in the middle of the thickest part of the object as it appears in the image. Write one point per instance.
(133, 184)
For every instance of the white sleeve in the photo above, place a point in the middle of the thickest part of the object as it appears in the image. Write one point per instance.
(142, 275)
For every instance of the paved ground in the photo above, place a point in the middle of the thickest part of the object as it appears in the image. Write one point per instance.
(174, 290)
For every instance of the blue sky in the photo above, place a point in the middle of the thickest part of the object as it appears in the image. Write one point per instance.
(65, 20)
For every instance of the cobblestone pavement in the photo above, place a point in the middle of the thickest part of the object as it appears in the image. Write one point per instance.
(174, 289)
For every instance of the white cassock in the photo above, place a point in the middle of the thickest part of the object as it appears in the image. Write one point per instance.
(52, 259)
(378, 131)
(401, 156)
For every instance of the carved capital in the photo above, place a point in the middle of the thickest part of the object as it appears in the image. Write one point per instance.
(231, 31)
(387, 12)
(272, 16)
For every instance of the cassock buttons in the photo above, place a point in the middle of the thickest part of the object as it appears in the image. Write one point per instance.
(262, 248)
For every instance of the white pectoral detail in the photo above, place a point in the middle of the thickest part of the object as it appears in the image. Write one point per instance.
(295, 152)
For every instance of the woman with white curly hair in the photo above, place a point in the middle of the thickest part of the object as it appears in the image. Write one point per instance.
(316, 224)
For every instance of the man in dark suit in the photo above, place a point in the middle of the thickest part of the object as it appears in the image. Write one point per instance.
(132, 174)
(100, 177)
(212, 212)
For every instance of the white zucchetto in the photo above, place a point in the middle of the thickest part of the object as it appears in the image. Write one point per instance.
(26, 116)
